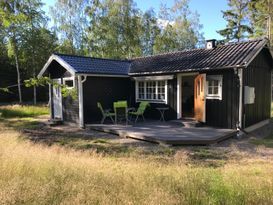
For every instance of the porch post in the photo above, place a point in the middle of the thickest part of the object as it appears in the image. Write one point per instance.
(81, 120)
(178, 96)
(80, 93)
(240, 75)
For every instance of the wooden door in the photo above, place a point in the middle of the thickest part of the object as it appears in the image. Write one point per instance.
(200, 98)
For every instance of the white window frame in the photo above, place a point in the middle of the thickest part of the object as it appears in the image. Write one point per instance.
(69, 79)
(218, 96)
(163, 101)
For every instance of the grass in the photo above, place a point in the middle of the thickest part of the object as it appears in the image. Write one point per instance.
(267, 141)
(21, 111)
(33, 173)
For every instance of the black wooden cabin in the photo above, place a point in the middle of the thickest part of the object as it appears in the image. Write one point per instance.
(227, 86)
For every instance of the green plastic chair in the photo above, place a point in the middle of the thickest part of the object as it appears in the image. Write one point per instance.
(121, 112)
(105, 113)
(140, 111)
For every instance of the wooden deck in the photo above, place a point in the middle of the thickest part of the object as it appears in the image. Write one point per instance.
(167, 133)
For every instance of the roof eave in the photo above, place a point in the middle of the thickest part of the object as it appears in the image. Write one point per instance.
(60, 61)
(186, 70)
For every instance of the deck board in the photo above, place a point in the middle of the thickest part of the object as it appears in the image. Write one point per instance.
(167, 133)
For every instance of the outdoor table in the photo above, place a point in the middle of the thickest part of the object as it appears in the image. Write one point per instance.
(162, 112)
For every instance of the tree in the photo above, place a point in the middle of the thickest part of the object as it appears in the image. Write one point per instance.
(150, 30)
(70, 23)
(13, 20)
(38, 41)
(261, 18)
(238, 27)
(180, 28)
(115, 29)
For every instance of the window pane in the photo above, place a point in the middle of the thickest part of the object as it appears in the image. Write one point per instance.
(210, 91)
(215, 90)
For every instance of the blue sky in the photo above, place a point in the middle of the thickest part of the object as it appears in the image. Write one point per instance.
(209, 10)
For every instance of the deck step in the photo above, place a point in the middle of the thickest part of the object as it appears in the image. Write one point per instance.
(187, 123)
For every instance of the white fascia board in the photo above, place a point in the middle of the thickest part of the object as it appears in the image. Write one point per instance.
(60, 61)
(163, 77)
(103, 75)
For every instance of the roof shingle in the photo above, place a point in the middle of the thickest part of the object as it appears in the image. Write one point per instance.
(91, 65)
(222, 56)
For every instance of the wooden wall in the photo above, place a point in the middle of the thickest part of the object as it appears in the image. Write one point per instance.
(258, 75)
(105, 90)
(224, 113)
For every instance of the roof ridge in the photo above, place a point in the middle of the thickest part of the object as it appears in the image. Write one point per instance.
(81, 56)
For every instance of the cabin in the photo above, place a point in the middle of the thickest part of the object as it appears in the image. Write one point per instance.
(221, 85)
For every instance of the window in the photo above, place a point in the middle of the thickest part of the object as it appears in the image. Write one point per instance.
(214, 87)
(154, 91)
(69, 82)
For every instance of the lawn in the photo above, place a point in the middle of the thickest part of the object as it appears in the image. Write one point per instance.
(72, 170)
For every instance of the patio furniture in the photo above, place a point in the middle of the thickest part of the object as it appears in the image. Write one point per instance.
(105, 113)
(162, 113)
(121, 112)
(140, 111)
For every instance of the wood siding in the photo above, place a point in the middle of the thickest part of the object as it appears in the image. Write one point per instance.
(258, 75)
(105, 90)
(71, 107)
(224, 113)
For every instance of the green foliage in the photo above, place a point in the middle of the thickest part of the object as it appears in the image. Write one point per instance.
(260, 14)
(181, 28)
(5, 90)
(238, 27)
(43, 81)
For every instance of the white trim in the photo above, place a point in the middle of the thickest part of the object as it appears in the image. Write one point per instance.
(68, 79)
(105, 75)
(50, 100)
(164, 101)
(60, 61)
(240, 75)
(154, 78)
(80, 90)
(220, 87)
(179, 92)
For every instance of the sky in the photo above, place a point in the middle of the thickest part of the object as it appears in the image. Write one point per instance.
(209, 10)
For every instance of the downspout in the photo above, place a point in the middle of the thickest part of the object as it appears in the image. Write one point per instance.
(80, 89)
(240, 129)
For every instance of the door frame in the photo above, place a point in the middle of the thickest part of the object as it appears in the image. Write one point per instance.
(59, 80)
(179, 92)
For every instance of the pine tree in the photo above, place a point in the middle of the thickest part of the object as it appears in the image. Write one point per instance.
(238, 27)
(261, 18)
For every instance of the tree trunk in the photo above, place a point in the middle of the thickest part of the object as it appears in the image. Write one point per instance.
(34, 95)
(18, 77)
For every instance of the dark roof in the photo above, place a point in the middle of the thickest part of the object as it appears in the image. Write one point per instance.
(223, 56)
(91, 65)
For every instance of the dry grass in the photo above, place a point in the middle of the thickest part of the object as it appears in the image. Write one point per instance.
(36, 174)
